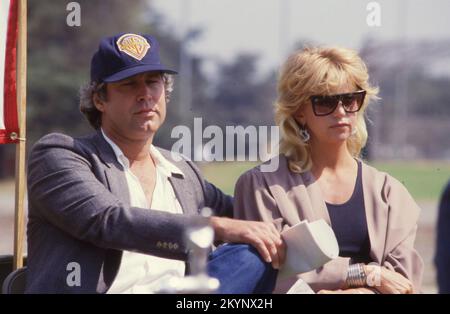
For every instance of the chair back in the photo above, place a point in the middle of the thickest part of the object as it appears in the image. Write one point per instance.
(15, 282)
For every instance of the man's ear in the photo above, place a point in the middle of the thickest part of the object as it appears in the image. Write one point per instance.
(98, 103)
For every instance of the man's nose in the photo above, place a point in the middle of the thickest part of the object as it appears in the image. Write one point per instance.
(144, 92)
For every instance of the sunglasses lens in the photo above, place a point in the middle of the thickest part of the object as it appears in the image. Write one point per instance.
(352, 102)
(325, 105)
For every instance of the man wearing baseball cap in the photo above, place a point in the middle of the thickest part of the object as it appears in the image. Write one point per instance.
(108, 211)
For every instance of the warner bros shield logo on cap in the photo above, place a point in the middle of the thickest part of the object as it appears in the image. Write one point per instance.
(133, 45)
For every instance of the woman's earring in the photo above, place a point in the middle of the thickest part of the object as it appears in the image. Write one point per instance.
(304, 134)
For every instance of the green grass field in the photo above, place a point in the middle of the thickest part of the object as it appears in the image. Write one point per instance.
(424, 180)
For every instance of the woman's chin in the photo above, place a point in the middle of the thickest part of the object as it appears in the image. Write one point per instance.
(338, 138)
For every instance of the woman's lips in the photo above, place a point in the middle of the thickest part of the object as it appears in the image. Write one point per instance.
(340, 125)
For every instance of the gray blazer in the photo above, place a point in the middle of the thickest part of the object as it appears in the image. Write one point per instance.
(79, 211)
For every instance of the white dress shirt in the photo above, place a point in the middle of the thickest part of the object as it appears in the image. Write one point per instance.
(141, 273)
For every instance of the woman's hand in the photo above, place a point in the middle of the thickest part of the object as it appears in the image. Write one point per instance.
(261, 235)
(390, 282)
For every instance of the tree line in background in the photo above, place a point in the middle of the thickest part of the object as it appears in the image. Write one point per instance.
(410, 120)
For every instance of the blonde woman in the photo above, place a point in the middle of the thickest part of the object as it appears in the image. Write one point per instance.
(322, 96)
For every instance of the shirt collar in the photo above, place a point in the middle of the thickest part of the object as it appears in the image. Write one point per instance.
(166, 167)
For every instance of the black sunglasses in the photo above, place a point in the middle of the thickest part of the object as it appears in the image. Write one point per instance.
(324, 105)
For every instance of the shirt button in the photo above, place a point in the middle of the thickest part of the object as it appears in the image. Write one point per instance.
(159, 244)
(170, 245)
(175, 246)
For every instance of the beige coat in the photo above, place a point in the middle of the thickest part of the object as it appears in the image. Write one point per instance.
(286, 198)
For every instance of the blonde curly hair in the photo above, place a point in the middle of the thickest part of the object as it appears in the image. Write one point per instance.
(317, 71)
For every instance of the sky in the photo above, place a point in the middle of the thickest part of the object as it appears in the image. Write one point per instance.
(271, 28)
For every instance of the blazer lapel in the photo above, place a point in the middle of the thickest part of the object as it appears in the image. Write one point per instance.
(376, 213)
(184, 194)
(116, 183)
(317, 204)
(187, 192)
(114, 171)
(296, 193)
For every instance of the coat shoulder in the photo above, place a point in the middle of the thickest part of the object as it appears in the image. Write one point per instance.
(275, 171)
(64, 141)
(383, 180)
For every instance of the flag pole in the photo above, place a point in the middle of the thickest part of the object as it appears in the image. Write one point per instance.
(19, 217)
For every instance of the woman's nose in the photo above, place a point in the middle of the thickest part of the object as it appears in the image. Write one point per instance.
(340, 109)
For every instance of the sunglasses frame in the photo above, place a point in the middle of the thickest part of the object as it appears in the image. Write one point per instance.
(315, 98)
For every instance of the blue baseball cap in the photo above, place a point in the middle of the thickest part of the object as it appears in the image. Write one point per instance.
(125, 55)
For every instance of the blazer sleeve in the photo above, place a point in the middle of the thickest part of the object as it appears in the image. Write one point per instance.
(64, 192)
(219, 202)
(403, 214)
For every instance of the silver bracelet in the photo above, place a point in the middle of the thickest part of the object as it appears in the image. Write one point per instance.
(356, 276)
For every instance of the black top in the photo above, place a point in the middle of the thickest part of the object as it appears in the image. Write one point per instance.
(349, 223)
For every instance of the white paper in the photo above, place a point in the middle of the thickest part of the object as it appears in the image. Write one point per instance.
(309, 246)
(300, 287)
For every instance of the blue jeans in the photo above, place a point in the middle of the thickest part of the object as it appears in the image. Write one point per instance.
(240, 269)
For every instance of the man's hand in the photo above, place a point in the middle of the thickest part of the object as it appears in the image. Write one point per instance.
(262, 235)
(391, 282)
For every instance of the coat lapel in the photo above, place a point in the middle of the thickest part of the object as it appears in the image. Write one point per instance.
(183, 186)
(317, 207)
(114, 171)
(376, 213)
(184, 194)
(117, 181)
(298, 196)
(376, 210)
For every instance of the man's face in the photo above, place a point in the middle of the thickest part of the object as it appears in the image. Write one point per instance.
(135, 107)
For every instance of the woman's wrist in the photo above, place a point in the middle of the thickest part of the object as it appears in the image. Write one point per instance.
(356, 276)
(374, 276)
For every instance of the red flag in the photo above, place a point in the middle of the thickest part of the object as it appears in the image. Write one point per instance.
(8, 69)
